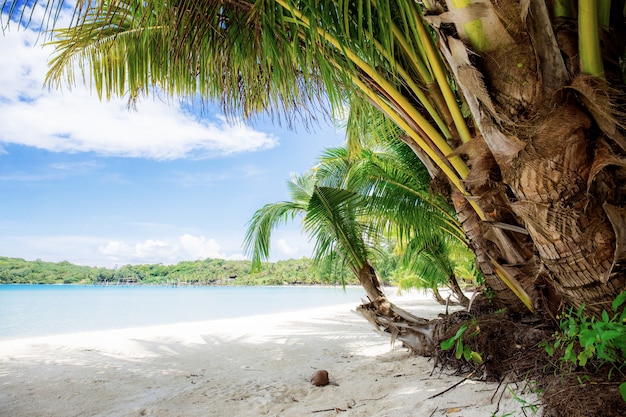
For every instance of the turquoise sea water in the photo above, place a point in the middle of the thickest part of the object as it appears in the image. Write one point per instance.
(41, 310)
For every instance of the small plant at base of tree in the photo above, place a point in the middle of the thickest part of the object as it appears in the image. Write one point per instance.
(462, 350)
(584, 339)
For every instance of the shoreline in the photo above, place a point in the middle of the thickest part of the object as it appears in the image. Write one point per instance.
(164, 328)
(252, 366)
(35, 310)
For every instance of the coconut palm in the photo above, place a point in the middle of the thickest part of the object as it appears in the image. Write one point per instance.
(330, 217)
(401, 206)
(346, 227)
(515, 106)
(367, 191)
(264, 220)
(399, 189)
(431, 262)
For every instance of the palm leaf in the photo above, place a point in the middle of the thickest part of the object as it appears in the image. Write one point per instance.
(260, 227)
(267, 218)
(332, 218)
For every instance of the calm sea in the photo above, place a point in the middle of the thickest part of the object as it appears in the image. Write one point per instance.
(41, 310)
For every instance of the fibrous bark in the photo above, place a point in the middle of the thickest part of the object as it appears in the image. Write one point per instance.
(551, 151)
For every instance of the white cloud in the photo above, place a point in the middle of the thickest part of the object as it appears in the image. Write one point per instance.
(151, 249)
(113, 249)
(98, 251)
(77, 249)
(200, 247)
(285, 248)
(289, 242)
(78, 122)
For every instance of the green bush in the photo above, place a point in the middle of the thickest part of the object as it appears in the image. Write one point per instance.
(584, 339)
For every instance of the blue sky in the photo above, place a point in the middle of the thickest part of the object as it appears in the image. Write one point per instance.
(93, 183)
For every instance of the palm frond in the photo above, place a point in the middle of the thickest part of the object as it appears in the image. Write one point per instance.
(263, 222)
(301, 187)
(397, 185)
(333, 167)
(212, 49)
(331, 217)
(284, 57)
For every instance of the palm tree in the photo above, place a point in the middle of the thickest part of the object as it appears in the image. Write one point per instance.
(401, 206)
(513, 105)
(264, 220)
(331, 218)
(431, 262)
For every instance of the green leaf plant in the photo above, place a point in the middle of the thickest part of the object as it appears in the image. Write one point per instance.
(462, 350)
(584, 339)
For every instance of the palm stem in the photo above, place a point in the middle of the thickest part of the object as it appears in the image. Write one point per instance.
(513, 284)
(402, 124)
(396, 95)
(442, 80)
(589, 38)
(562, 8)
(419, 94)
(418, 64)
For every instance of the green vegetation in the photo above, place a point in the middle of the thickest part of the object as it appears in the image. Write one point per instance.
(461, 349)
(585, 338)
(201, 272)
(515, 109)
(592, 343)
(360, 203)
(460, 112)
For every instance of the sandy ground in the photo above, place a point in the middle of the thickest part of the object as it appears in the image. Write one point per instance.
(255, 366)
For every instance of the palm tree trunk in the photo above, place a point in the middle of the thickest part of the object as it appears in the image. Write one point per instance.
(547, 170)
(457, 291)
(563, 196)
(437, 296)
(371, 283)
(486, 246)
(414, 332)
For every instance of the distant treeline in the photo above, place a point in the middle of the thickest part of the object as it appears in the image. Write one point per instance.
(202, 272)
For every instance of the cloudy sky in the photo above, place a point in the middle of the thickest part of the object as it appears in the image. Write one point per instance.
(93, 183)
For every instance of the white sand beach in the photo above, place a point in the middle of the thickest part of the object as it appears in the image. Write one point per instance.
(255, 366)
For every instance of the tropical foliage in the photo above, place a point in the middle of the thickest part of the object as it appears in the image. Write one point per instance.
(330, 216)
(201, 272)
(514, 107)
(584, 339)
(429, 240)
(351, 205)
(438, 261)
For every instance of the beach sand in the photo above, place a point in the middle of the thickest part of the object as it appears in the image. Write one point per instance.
(255, 366)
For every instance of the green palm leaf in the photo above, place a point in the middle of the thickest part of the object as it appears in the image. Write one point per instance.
(332, 217)
(270, 216)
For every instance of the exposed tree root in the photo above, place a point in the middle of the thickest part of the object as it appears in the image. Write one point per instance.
(509, 348)
(414, 332)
